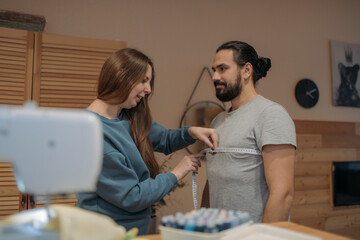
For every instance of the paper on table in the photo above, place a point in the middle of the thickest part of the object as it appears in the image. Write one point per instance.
(266, 232)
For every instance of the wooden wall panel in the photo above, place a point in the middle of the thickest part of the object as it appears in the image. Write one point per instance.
(324, 127)
(321, 210)
(303, 169)
(309, 197)
(308, 141)
(343, 221)
(340, 141)
(318, 222)
(311, 183)
(319, 144)
(325, 154)
(66, 69)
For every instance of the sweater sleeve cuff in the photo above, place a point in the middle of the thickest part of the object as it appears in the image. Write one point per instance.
(186, 135)
(172, 177)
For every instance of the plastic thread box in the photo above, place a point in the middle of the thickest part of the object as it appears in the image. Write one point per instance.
(217, 224)
(206, 223)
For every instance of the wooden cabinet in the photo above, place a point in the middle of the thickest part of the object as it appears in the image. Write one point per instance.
(53, 70)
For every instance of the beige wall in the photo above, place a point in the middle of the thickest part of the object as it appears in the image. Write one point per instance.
(181, 37)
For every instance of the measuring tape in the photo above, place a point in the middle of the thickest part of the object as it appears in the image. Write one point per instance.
(194, 190)
(219, 150)
(236, 150)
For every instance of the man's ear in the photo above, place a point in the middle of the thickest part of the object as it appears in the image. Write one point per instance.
(247, 71)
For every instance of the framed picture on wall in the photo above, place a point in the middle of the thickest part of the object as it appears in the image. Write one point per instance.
(345, 61)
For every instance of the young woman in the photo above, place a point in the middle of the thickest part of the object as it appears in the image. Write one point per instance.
(130, 182)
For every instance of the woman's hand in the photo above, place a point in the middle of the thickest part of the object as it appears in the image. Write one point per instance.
(207, 135)
(188, 164)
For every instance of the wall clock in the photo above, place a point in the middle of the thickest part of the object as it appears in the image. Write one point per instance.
(306, 93)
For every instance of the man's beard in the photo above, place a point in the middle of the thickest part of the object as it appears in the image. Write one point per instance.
(229, 92)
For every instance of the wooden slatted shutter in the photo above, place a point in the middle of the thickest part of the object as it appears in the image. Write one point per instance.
(67, 68)
(10, 197)
(16, 57)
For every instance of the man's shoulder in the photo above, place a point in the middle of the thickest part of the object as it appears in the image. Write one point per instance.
(269, 105)
(267, 102)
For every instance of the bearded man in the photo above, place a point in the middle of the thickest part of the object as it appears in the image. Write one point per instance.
(253, 167)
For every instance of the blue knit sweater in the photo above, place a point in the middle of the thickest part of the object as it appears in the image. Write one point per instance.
(125, 191)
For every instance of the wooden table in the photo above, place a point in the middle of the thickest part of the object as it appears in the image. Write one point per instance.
(287, 225)
(308, 230)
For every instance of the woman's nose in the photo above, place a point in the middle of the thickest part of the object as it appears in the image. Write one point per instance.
(147, 89)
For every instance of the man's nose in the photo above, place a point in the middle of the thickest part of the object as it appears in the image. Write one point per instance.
(216, 76)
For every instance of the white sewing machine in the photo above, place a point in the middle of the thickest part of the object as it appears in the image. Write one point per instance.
(52, 151)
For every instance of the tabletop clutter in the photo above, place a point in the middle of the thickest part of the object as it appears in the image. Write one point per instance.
(204, 223)
(206, 220)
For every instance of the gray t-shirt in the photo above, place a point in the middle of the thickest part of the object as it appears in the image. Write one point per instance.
(237, 180)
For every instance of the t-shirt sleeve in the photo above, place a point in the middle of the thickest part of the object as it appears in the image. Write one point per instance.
(119, 184)
(275, 126)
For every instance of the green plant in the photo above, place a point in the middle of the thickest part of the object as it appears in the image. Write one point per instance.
(164, 167)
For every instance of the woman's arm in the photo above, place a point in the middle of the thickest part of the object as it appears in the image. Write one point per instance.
(119, 184)
(170, 140)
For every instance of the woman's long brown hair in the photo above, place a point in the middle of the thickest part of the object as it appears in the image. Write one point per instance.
(119, 74)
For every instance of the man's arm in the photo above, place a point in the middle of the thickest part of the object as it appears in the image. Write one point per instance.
(279, 174)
